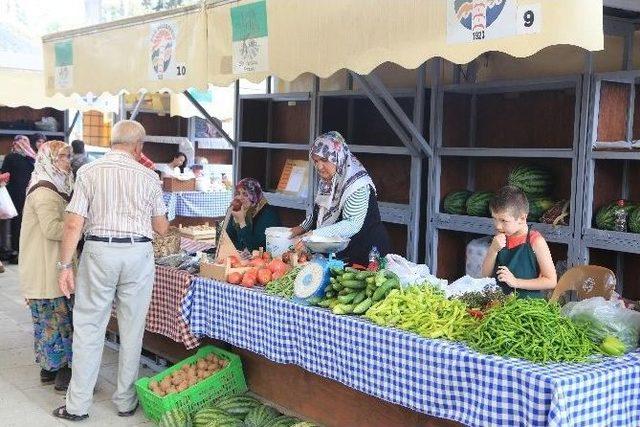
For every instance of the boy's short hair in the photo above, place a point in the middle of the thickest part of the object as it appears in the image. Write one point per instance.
(510, 199)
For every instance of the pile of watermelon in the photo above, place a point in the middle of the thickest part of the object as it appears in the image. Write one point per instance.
(605, 218)
(535, 181)
(233, 411)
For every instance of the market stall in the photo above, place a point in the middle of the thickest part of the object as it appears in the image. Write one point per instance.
(435, 377)
(423, 135)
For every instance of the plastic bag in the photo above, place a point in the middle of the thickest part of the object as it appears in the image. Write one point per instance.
(468, 284)
(475, 254)
(7, 208)
(607, 317)
(411, 273)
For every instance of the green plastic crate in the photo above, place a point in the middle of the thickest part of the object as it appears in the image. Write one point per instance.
(229, 380)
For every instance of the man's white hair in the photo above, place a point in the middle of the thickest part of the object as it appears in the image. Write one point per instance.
(127, 132)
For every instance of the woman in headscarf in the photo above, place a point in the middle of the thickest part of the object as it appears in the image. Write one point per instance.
(19, 164)
(345, 205)
(251, 215)
(48, 193)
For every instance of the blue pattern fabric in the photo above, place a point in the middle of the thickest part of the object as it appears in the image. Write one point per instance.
(52, 331)
(436, 377)
(197, 203)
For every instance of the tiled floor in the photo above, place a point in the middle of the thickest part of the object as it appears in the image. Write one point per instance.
(23, 401)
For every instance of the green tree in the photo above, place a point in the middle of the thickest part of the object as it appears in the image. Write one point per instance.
(159, 5)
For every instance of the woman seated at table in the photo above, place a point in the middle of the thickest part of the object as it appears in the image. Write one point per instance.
(253, 216)
(169, 170)
(345, 204)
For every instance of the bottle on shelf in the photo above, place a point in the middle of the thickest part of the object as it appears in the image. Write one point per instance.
(621, 217)
(374, 259)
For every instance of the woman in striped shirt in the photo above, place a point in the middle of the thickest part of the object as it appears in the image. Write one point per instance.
(345, 204)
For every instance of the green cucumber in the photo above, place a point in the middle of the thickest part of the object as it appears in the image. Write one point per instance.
(330, 294)
(360, 296)
(371, 280)
(336, 271)
(347, 299)
(342, 309)
(337, 286)
(383, 290)
(328, 288)
(363, 306)
(326, 302)
(354, 284)
(348, 276)
(314, 300)
(363, 275)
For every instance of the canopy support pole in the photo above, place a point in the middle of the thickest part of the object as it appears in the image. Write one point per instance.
(73, 124)
(209, 118)
(409, 126)
(136, 109)
(386, 113)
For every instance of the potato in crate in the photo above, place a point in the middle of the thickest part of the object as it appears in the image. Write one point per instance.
(192, 383)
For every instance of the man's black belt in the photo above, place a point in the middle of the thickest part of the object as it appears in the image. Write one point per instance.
(118, 239)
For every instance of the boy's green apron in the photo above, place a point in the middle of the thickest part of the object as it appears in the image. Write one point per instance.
(521, 261)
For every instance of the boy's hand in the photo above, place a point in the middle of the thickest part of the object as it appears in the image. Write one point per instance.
(506, 276)
(499, 241)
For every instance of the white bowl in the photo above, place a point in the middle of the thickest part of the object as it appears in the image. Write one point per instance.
(325, 245)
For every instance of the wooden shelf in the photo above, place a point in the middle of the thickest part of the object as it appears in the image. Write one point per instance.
(615, 155)
(612, 240)
(286, 201)
(29, 132)
(273, 145)
(542, 153)
(480, 225)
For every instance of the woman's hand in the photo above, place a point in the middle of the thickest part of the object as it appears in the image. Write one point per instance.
(240, 216)
(297, 231)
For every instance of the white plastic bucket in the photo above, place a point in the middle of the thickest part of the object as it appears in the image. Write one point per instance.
(278, 241)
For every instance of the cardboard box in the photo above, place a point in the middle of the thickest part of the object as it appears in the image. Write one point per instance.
(174, 185)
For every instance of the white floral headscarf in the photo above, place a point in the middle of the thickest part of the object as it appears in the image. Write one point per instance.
(350, 176)
(45, 168)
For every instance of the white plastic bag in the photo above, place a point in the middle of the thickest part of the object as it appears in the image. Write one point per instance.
(468, 284)
(7, 209)
(607, 317)
(475, 253)
(411, 273)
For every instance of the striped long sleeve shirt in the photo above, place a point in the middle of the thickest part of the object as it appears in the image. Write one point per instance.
(354, 212)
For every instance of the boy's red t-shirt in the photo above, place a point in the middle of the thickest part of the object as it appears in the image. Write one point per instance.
(514, 241)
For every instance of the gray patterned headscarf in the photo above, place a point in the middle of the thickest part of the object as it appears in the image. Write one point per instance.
(350, 176)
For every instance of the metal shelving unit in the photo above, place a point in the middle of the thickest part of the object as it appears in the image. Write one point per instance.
(594, 239)
(407, 215)
(472, 153)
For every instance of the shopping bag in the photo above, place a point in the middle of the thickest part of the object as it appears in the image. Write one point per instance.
(7, 209)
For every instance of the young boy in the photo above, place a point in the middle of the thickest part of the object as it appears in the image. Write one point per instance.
(518, 258)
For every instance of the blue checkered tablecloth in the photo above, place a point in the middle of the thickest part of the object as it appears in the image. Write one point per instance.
(436, 377)
(197, 203)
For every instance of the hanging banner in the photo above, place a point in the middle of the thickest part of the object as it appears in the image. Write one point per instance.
(476, 20)
(63, 74)
(165, 51)
(163, 40)
(250, 38)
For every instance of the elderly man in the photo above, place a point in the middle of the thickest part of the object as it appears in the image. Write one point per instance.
(118, 202)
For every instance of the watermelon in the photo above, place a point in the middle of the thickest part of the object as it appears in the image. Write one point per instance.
(284, 421)
(175, 418)
(633, 221)
(237, 405)
(261, 416)
(537, 207)
(606, 215)
(534, 181)
(456, 203)
(478, 203)
(206, 416)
